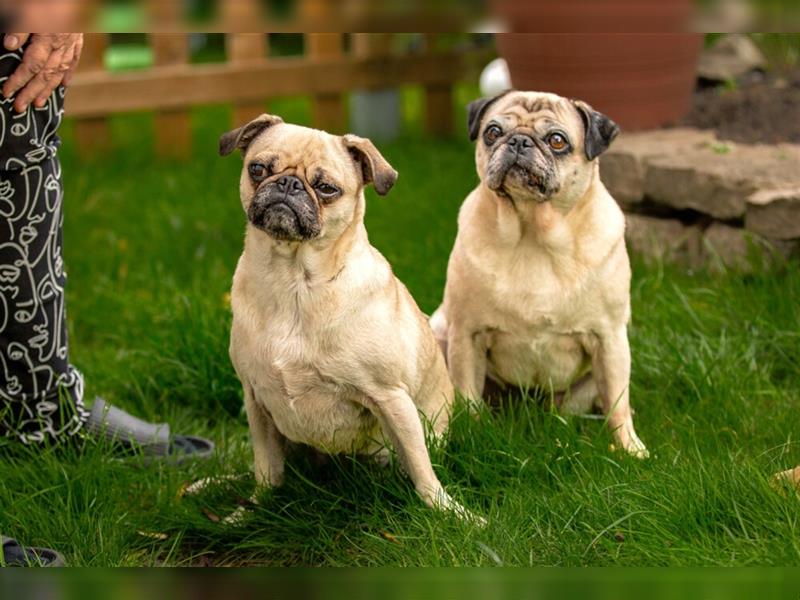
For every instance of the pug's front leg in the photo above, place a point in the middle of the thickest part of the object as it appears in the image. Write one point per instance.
(466, 361)
(268, 442)
(611, 368)
(268, 452)
(402, 425)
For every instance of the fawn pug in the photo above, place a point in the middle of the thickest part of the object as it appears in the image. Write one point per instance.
(538, 282)
(329, 345)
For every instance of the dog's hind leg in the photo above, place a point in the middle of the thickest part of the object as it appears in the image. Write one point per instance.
(580, 398)
(438, 323)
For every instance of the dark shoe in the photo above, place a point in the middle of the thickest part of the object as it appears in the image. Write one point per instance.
(15, 555)
(154, 439)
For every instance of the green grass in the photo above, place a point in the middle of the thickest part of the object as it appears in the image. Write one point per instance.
(151, 248)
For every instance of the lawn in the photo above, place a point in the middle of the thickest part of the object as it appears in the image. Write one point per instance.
(150, 250)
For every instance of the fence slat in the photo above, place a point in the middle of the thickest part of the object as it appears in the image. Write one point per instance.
(327, 108)
(95, 94)
(246, 48)
(438, 101)
(372, 44)
(92, 133)
(439, 109)
(239, 14)
(173, 130)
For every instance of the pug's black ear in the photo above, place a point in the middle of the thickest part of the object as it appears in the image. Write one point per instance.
(600, 131)
(372, 166)
(243, 136)
(475, 111)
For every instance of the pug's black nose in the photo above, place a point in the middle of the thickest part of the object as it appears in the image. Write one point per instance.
(520, 142)
(290, 185)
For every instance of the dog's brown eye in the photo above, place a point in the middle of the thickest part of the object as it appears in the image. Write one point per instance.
(326, 190)
(258, 171)
(557, 141)
(491, 135)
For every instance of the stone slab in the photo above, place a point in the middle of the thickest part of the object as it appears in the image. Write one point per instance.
(732, 56)
(775, 213)
(666, 240)
(624, 166)
(718, 246)
(734, 247)
(686, 168)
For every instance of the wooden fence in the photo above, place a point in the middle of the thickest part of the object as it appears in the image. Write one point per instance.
(250, 77)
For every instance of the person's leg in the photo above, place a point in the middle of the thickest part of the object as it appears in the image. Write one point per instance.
(41, 394)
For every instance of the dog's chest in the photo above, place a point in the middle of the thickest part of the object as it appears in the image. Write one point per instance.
(292, 372)
(532, 295)
(539, 319)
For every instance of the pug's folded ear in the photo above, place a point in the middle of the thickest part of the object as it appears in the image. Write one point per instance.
(600, 131)
(372, 166)
(243, 136)
(475, 111)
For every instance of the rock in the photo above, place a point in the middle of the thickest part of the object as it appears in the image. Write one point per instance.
(788, 249)
(664, 239)
(727, 245)
(690, 169)
(623, 167)
(734, 247)
(731, 57)
(719, 179)
(731, 15)
(623, 174)
(718, 247)
(698, 182)
(775, 213)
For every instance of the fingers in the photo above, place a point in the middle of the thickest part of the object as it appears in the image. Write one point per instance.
(12, 41)
(46, 62)
(60, 69)
(46, 79)
(33, 62)
(75, 60)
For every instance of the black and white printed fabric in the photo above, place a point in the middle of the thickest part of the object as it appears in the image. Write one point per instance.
(41, 394)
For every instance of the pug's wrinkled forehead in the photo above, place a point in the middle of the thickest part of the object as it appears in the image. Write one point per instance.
(310, 154)
(536, 111)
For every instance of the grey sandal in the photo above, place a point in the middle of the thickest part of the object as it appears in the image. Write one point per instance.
(154, 439)
(15, 555)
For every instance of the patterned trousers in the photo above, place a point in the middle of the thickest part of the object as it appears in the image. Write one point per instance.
(41, 394)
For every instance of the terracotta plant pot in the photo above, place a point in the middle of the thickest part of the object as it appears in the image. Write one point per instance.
(588, 16)
(639, 80)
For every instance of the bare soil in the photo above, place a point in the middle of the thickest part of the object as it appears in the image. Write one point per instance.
(762, 108)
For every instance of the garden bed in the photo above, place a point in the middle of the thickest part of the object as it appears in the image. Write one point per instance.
(760, 108)
(723, 189)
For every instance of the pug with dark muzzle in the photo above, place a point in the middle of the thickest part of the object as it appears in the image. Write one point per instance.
(538, 282)
(330, 347)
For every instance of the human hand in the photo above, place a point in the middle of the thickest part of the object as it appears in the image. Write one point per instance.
(48, 61)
